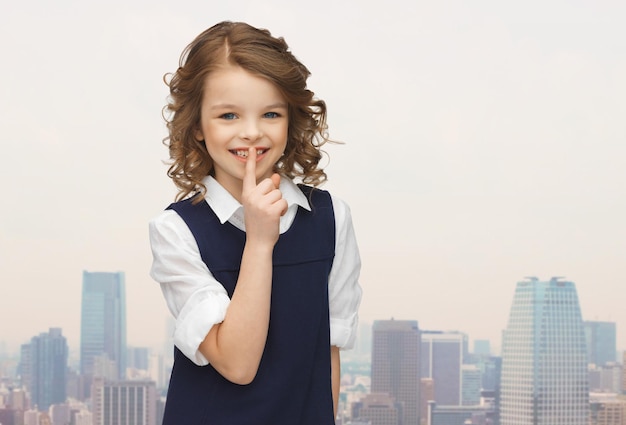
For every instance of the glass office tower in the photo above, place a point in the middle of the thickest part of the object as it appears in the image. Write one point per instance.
(442, 359)
(601, 342)
(395, 365)
(46, 363)
(544, 357)
(103, 322)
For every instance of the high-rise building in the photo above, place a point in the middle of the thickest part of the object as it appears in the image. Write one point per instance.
(19, 399)
(606, 378)
(8, 416)
(60, 414)
(103, 322)
(137, 357)
(442, 358)
(490, 367)
(482, 347)
(624, 372)
(607, 409)
(395, 364)
(124, 402)
(32, 417)
(46, 360)
(601, 340)
(378, 409)
(427, 395)
(25, 366)
(470, 385)
(544, 357)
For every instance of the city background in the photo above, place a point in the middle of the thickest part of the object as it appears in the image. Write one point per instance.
(397, 374)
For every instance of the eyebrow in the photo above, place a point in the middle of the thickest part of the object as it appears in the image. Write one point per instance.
(231, 106)
(277, 105)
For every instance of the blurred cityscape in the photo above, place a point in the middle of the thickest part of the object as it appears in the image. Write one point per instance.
(554, 368)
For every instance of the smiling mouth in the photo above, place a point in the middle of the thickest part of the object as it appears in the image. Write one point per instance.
(243, 153)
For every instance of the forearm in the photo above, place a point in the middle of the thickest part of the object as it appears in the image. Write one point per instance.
(235, 346)
(335, 366)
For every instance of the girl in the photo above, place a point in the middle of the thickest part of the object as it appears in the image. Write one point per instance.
(260, 273)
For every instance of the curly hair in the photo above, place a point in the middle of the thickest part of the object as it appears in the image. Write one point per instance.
(256, 51)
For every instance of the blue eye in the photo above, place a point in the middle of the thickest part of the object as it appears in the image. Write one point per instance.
(271, 115)
(228, 116)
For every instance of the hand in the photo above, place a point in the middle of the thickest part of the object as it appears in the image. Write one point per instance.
(263, 204)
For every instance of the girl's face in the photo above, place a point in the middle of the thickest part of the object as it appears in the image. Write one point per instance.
(240, 110)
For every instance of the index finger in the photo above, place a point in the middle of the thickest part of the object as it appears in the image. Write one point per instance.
(249, 177)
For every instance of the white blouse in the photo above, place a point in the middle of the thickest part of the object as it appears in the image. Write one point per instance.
(198, 301)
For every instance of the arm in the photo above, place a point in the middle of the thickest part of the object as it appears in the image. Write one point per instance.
(344, 292)
(234, 347)
(194, 297)
(335, 367)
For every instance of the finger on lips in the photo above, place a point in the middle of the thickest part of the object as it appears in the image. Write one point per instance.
(249, 179)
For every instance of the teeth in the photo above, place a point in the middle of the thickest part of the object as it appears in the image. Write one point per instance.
(244, 154)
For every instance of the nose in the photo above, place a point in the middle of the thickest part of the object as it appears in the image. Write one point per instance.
(251, 130)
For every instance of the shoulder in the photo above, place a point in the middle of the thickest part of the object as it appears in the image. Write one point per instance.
(190, 203)
(343, 216)
(167, 223)
(338, 203)
(340, 206)
(341, 209)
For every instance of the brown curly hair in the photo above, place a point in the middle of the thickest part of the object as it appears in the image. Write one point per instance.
(256, 51)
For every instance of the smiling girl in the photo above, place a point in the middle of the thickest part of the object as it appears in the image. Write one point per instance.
(260, 273)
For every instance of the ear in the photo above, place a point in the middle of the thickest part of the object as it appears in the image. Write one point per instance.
(198, 134)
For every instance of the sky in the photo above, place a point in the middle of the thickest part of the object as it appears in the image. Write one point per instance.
(484, 141)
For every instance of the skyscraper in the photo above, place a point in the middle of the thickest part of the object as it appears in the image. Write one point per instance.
(46, 360)
(442, 358)
(601, 342)
(544, 358)
(470, 385)
(124, 402)
(395, 364)
(103, 322)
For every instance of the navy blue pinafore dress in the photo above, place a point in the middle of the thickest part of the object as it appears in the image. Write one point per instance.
(293, 383)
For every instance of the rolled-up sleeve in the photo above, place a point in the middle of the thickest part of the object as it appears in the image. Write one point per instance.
(194, 297)
(343, 288)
